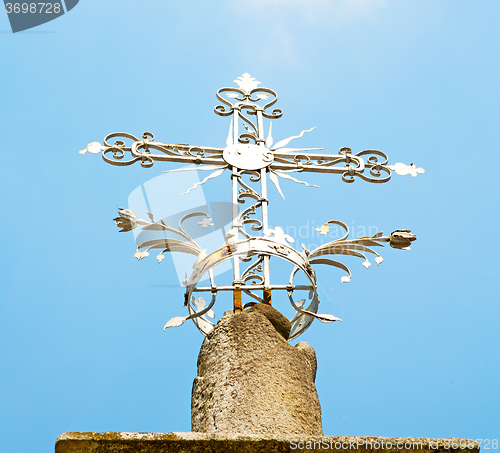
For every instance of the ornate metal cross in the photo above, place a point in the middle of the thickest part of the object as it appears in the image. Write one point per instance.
(250, 153)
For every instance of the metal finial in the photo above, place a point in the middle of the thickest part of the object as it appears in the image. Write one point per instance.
(251, 152)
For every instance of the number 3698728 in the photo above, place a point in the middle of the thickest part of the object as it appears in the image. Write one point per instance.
(33, 8)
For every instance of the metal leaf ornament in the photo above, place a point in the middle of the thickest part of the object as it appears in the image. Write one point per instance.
(357, 247)
(128, 220)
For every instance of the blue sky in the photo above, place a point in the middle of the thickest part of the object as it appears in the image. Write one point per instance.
(82, 345)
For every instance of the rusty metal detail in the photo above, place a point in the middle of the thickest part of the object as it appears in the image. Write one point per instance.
(252, 158)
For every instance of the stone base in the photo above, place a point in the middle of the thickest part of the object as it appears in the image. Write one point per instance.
(215, 443)
(251, 381)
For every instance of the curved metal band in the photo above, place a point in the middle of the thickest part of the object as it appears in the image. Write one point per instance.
(251, 247)
(301, 321)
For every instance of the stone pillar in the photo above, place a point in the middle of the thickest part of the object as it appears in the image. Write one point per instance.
(251, 381)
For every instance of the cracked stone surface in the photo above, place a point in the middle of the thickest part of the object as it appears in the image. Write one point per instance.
(251, 381)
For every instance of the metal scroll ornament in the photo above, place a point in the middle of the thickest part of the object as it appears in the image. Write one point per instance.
(252, 158)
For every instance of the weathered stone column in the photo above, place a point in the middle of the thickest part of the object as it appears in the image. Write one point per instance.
(252, 381)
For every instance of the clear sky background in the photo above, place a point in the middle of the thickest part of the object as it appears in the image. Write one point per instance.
(82, 345)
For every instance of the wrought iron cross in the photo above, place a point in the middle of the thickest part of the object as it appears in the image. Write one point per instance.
(250, 153)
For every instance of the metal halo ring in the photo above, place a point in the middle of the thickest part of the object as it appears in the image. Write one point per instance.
(250, 247)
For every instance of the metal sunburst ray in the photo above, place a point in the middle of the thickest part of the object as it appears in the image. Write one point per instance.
(210, 176)
(284, 142)
(284, 175)
(229, 139)
(269, 140)
(274, 179)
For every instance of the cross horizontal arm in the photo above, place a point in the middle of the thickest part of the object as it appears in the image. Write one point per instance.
(186, 154)
(345, 163)
(171, 152)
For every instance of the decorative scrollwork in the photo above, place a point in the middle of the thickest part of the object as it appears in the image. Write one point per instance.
(246, 191)
(373, 159)
(252, 269)
(251, 273)
(249, 109)
(114, 156)
(245, 219)
(120, 143)
(249, 106)
(245, 138)
(234, 93)
(141, 150)
(247, 97)
(254, 279)
(376, 167)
